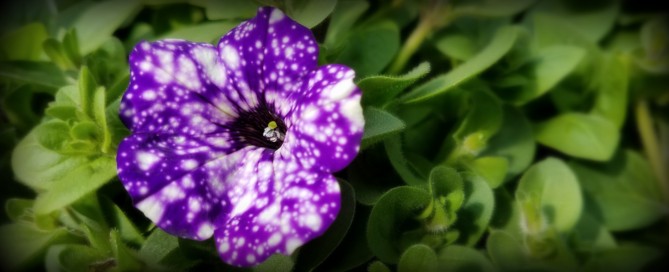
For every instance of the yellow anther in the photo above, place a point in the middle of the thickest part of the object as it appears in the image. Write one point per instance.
(272, 125)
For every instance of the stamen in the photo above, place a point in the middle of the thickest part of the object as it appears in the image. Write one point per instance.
(271, 133)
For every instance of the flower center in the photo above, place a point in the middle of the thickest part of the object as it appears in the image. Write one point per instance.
(259, 127)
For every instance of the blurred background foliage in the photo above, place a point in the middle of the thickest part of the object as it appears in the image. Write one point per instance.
(500, 134)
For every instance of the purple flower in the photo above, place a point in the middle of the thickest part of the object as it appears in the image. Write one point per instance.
(239, 141)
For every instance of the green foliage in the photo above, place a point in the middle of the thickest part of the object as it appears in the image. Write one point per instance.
(526, 135)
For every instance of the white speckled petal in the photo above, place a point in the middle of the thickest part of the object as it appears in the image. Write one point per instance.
(294, 207)
(327, 123)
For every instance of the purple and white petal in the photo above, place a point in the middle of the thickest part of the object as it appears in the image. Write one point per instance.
(327, 125)
(175, 85)
(265, 57)
(146, 163)
(297, 207)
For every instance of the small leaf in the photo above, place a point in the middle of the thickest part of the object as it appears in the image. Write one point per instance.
(371, 48)
(28, 243)
(393, 210)
(579, 135)
(623, 258)
(378, 266)
(345, 13)
(592, 21)
(500, 44)
(18, 208)
(37, 167)
(87, 89)
(492, 169)
(53, 134)
(125, 257)
(612, 89)
(56, 53)
(228, 9)
(98, 22)
(393, 146)
(99, 114)
(492, 8)
(459, 258)
(85, 130)
(624, 191)
(552, 185)
(514, 141)
(158, 246)
(126, 227)
(309, 13)
(379, 124)
(206, 32)
(378, 90)
(73, 257)
(418, 258)
(456, 46)
(24, 43)
(62, 112)
(546, 69)
(98, 238)
(477, 211)
(505, 251)
(69, 188)
(276, 262)
(43, 74)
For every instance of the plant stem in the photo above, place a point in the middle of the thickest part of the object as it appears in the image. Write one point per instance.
(651, 146)
(427, 22)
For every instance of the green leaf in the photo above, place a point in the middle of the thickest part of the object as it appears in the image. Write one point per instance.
(24, 43)
(125, 257)
(500, 44)
(623, 190)
(393, 209)
(456, 46)
(552, 185)
(546, 69)
(370, 49)
(276, 262)
(593, 20)
(309, 13)
(98, 238)
(491, 8)
(505, 251)
(476, 212)
(84, 130)
(99, 114)
(43, 74)
(158, 246)
(353, 250)
(28, 243)
(87, 89)
(345, 13)
(18, 208)
(590, 235)
(206, 32)
(53, 134)
(418, 258)
(483, 119)
(393, 146)
(379, 124)
(579, 135)
(76, 258)
(379, 90)
(37, 167)
(56, 53)
(624, 258)
(492, 169)
(71, 46)
(378, 266)
(459, 258)
(69, 188)
(228, 9)
(96, 24)
(126, 227)
(655, 41)
(514, 141)
(316, 251)
(612, 89)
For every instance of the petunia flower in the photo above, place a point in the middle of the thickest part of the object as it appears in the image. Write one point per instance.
(239, 141)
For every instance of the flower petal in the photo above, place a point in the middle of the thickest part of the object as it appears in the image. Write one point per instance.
(149, 162)
(327, 126)
(265, 56)
(174, 84)
(296, 208)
